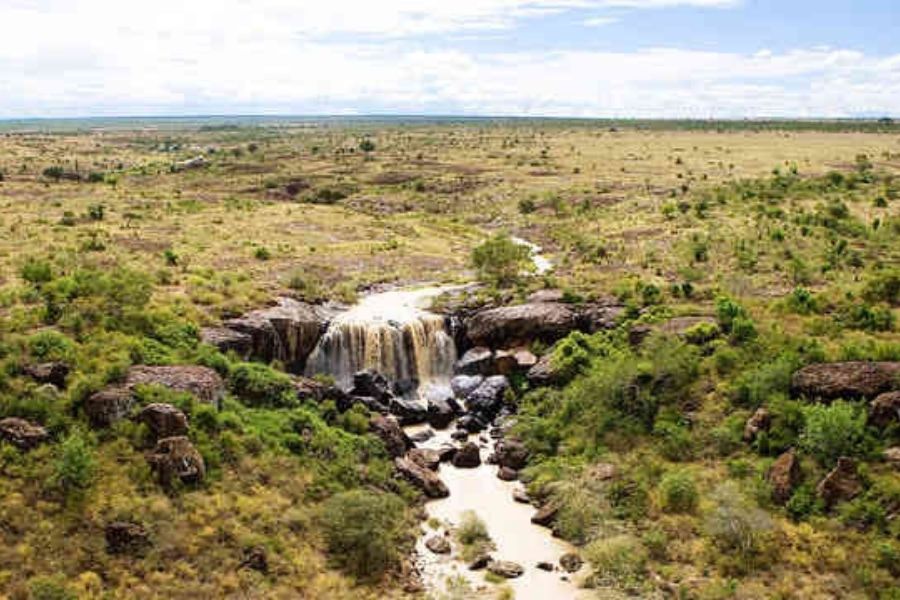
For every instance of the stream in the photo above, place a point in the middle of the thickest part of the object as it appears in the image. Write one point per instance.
(394, 333)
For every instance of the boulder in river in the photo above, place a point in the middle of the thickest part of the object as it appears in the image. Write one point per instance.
(468, 424)
(506, 569)
(512, 453)
(487, 399)
(395, 440)
(546, 515)
(570, 562)
(467, 457)
(202, 382)
(463, 385)
(847, 380)
(421, 478)
(373, 384)
(425, 457)
(507, 474)
(438, 544)
(441, 412)
(409, 411)
(476, 361)
(480, 562)
(22, 434)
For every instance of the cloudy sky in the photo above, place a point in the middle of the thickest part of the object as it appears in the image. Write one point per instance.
(613, 58)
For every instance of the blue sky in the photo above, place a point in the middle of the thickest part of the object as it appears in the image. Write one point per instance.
(605, 58)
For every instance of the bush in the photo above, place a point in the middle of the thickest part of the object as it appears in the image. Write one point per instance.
(802, 302)
(364, 531)
(259, 385)
(50, 345)
(47, 587)
(734, 524)
(883, 287)
(500, 260)
(678, 492)
(865, 317)
(36, 271)
(621, 559)
(834, 430)
(74, 469)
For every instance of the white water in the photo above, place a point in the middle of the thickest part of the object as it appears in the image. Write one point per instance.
(541, 263)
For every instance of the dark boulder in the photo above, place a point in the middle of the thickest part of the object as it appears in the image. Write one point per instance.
(175, 459)
(506, 569)
(570, 562)
(422, 436)
(467, 457)
(487, 399)
(447, 452)
(521, 496)
(441, 412)
(594, 318)
(409, 411)
(22, 434)
(841, 484)
(202, 382)
(125, 537)
(784, 475)
(463, 385)
(461, 435)
(507, 474)
(225, 339)
(316, 391)
(476, 361)
(511, 453)
(847, 380)
(480, 562)
(508, 326)
(109, 405)
(885, 409)
(546, 514)
(468, 424)
(544, 372)
(545, 566)
(438, 544)
(54, 373)
(391, 434)
(638, 333)
(425, 457)
(286, 332)
(759, 421)
(372, 383)
(425, 480)
(163, 420)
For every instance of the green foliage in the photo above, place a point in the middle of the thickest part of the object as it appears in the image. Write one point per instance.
(75, 466)
(802, 302)
(367, 145)
(261, 386)
(866, 317)
(735, 524)
(883, 287)
(51, 345)
(804, 503)
(701, 333)
(36, 271)
(735, 320)
(620, 560)
(501, 261)
(50, 587)
(834, 430)
(471, 529)
(364, 531)
(678, 492)
(262, 253)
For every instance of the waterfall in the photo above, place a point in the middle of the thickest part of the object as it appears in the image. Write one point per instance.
(391, 333)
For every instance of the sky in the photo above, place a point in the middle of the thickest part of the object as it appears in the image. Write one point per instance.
(576, 58)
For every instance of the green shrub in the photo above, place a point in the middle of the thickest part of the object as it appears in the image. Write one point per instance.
(75, 466)
(471, 529)
(734, 524)
(621, 559)
(802, 302)
(865, 317)
(834, 430)
(883, 287)
(701, 333)
(500, 260)
(259, 385)
(262, 253)
(51, 345)
(49, 587)
(364, 531)
(36, 272)
(678, 492)
(804, 503)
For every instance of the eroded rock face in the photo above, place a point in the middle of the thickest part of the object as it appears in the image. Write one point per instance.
(175, 459)
(54, 373)
(758, 421)
(202, 382)
(225, 339)
(467, 457)
(109, 405)
(125, 537)
(421, 478)
(164, 420)
(508, 326)
(389, 431)
(511, 453)
(287, 332)
(885, 409)
(841, 484)
(476, 361)
(506, 569)
(847, 380)
(784, 475)
(22, 434)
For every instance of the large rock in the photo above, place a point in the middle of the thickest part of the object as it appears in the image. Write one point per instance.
(22, 434)
(885, 409)
(847, 380)
(570, 562)
(372, 383)
(438, 544)
(109, 405)
(594, 318)
(425, 457)
(421, 478)
(546, 514)
(226, 339)
(511, 453)
(758, 421)
(163, 420)
(784, 475)
(487, 399)
(841, 484)
(463, 385)
(316, 391)
(441, 412)
(409, 411)
(286, 332)
(520, 325)
(467, 457)
(476, 361)
(175, 459)
(125, 537)
(506, 569)
(544, 372)
(202, 382)
(54, 373)
(395, 440)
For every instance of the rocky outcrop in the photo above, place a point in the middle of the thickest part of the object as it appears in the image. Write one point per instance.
(125, 537)
(758, 421)
(372, 384)
(467, 457)
(476, 361)
(885, 410)
(486, 400)
(463, 385)
(425, 480)
(202, 382)
(425, 457)
(438, 544)
(175, 459)
(511, 453)
(784, 475)
(22, 434)
(506, 569)
(108, 406)
(163, 420)
(286, 332)
(546, 514)
(544, 372)
(508, 326)
(225, 339)
(54, 373)
(847, 380)
(841, 484)
(391, 434)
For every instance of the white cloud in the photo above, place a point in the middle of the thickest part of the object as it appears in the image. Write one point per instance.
(599, 21)
(92, 57)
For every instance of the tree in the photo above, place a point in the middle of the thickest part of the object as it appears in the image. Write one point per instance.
(500, 260)
(367, 145)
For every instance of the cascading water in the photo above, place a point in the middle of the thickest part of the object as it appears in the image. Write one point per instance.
(393, 334)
